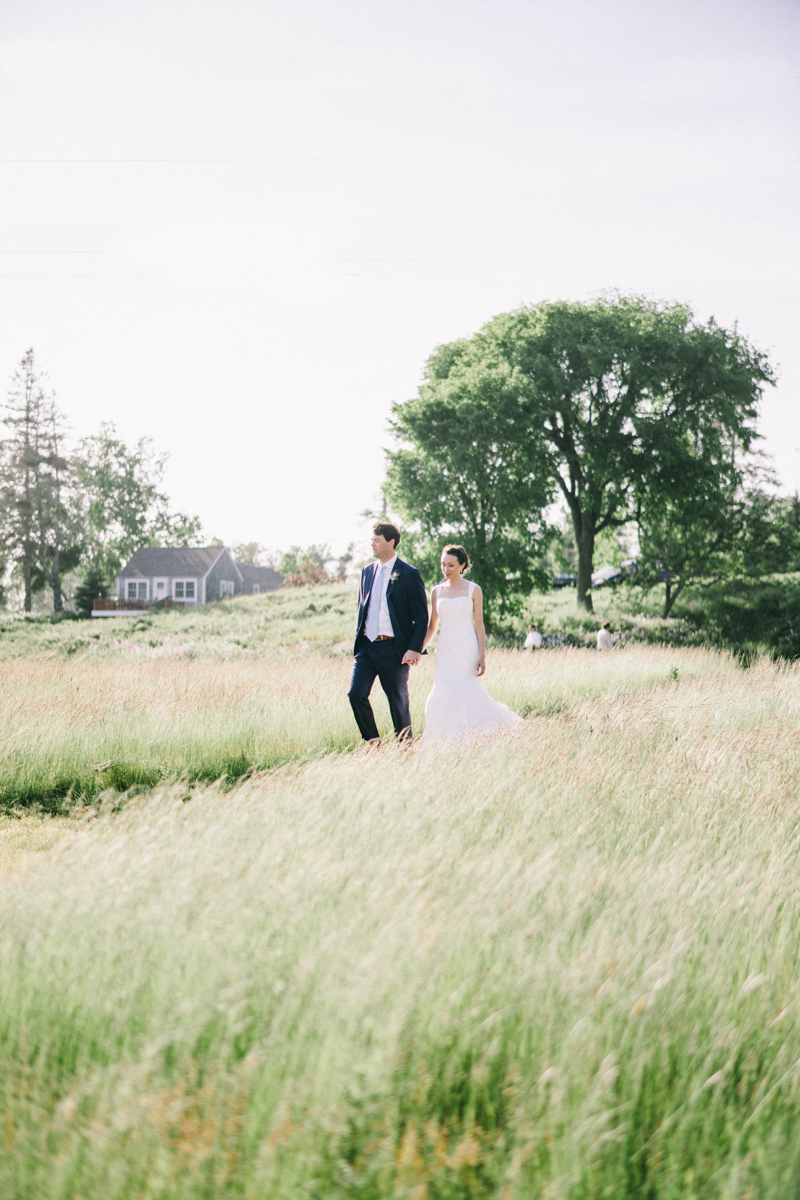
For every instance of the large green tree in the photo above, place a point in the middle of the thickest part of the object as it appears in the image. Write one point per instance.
(122, 502)
(462, 471)
(620, 397)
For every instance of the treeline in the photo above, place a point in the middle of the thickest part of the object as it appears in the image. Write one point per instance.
(312, 564)
(82, 508)
(631, 413)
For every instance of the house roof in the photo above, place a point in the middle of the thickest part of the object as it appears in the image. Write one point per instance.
(264, 576)
(191, 561)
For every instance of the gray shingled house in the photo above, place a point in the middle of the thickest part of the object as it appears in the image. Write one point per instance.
(191, 574)
(258, 579)
(188, 575)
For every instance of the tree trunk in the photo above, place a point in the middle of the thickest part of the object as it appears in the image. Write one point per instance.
(584, 539)
(670, 597)
(58, 603)
(27, 569)
(25, 508)
(479, 543)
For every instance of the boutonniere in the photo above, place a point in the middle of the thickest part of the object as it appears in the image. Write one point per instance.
(393, 578)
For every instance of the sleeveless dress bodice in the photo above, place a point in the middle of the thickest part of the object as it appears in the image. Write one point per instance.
(458, 705)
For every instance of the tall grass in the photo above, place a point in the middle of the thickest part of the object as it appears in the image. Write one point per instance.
(562, 965)
(73, 729)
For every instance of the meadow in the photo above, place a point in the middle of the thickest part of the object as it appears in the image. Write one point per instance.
(92, 707)
(563, 964)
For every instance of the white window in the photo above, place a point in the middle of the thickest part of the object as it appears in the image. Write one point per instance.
(256, 589)
(137, 589)
(225, 587)
(184, 589)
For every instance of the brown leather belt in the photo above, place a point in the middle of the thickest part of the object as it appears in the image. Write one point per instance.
(384, 637)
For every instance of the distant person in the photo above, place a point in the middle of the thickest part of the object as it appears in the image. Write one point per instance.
(604, 639)
(533, 641)
(390, 629)
(458, 705)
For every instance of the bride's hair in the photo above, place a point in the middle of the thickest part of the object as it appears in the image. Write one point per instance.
(459, 553)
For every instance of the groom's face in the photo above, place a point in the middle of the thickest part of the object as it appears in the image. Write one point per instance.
(380, 547)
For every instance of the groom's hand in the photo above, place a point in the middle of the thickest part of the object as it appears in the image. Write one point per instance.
(411, 657)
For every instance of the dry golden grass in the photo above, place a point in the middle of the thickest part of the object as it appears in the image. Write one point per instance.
(79, 727)
(24, 836)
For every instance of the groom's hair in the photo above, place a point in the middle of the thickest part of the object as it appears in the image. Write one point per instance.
(388, 531)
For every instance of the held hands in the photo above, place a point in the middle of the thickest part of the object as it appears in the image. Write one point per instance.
(481, 666)
(411, 657)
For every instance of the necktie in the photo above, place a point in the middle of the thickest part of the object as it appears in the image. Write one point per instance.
(374, 613)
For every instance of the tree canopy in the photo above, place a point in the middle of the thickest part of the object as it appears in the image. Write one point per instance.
(722, 521)
(463, 473)
(627, 396)
(92, 506)
(121, 501)
(606, 403)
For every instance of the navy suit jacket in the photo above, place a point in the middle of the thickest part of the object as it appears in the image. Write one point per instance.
(407, 603)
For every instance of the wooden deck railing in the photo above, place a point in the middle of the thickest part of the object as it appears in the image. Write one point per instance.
(113, 604)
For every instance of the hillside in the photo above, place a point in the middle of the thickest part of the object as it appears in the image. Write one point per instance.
(747, 615)
(298, 619)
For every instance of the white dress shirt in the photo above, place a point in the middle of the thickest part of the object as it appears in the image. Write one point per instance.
(604, 640)
(378, 620)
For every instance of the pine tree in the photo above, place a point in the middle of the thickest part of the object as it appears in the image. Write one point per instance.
(93, 587)
(25, 400)
(40, 525)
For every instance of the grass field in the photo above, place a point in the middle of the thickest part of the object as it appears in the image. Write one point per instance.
(564, 964)
(90, 706)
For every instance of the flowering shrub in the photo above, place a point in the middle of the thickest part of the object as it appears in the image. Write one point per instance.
(308, 575)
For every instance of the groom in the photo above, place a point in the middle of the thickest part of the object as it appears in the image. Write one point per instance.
(390, 629)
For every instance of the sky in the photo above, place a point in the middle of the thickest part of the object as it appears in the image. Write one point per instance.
(241, 227)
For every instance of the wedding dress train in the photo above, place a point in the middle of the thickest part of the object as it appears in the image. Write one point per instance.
(458, 705)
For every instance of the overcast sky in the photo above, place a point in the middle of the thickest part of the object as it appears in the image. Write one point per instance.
(241, 227)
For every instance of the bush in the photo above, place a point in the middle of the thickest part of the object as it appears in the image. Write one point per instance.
(64, 615)
(757, 613)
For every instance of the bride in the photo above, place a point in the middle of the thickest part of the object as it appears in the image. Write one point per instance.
(458, 705)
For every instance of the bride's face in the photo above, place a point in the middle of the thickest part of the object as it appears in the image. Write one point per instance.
(451, 568)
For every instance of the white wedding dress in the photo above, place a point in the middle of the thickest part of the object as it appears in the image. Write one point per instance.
(458, 705)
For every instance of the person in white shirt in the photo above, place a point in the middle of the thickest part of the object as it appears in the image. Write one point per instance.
(534, 639)
(390, 628)
(605, 641)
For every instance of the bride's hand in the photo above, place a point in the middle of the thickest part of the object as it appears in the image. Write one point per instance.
(481, 666)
